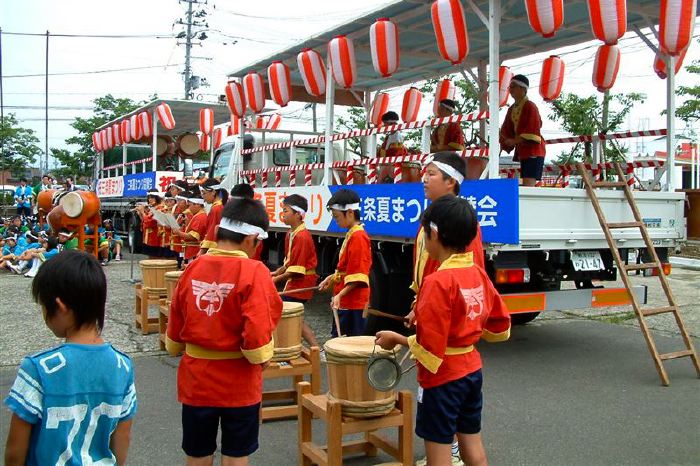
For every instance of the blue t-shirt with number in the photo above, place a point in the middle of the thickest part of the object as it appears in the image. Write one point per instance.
(74, 395)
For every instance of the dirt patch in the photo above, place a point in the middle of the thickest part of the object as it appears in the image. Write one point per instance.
(690, 249)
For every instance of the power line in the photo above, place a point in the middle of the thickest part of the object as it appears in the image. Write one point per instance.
(94, 36)
(72, 73)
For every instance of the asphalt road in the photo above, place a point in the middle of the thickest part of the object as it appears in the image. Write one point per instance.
(571, 388)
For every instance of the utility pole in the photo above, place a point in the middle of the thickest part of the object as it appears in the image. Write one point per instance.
(188, 51)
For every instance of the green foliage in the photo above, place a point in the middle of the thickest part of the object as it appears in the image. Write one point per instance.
(18, 146)
(80, 162)
(689, 110)
(355, 119)
(584, 115)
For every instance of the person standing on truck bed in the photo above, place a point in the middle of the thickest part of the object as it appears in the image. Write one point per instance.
(444, 173)
(447, 136)
(521, 131)
(350, 282)
(392, 146)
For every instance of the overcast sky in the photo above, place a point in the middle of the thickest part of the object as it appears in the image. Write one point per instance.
(242, 31)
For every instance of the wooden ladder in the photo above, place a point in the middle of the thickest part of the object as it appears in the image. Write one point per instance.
(641, 313)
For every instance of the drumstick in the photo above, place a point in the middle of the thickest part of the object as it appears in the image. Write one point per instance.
(298, 290)
(403, 359)
(337, 321)
(377, 313)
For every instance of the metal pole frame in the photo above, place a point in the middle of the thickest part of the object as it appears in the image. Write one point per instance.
(154, 145)
(494, 63)
(671, 123)
(328, 146)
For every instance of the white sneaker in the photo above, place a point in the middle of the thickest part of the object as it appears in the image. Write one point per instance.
(30, 274)
(322, 355)
(117, 258)
(456, 461)
(15, 269)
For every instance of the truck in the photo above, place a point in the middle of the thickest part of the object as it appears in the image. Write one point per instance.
(544, 247)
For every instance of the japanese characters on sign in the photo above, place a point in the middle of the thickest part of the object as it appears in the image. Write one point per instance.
(137, 184)
(110, 187)
(395, 210)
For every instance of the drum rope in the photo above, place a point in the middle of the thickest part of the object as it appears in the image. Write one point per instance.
(361, 409)
(286, 354)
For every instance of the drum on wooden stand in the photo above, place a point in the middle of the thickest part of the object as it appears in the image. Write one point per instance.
(187, 145)
(287, 335)
(153, 274)
(347, 359)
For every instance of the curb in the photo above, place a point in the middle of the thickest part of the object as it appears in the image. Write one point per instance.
(685, 262)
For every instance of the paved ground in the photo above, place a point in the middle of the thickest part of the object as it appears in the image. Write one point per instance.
(570, 388)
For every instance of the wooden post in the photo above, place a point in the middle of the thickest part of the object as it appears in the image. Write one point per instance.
(305, 432)
(334, 436)
(405, 438)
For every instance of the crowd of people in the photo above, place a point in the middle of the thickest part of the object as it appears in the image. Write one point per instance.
(226, 307)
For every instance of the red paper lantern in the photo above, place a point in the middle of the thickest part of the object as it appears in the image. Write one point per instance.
(96, 142)
(607, 62)
(411, 104)
(117, 133)
(146, 124)
(384, 45)
(235, 126)
(608, 19)
(660, 64)
(165, 116)
(235, 97)
(504, 77)
(552, 78)
(110, 137)
(254, 91)
(104, 142)
(341, 54)
(445, 90)
(379, 107)
(206, 120)
(125, 129)
(676, 22)
(545, 16)
(217, 136)
(273, 121)
(204, 142)
(450, 30)
(135, 127)
(313, 71)
(280, 83)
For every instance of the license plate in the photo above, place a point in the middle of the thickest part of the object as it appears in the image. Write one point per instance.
(586, 261)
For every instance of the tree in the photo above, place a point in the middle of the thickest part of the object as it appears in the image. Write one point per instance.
(107, 108)
(585, 115)
(18, 146)
(689, 111)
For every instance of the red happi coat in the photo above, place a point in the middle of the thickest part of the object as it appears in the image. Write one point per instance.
(223, 313)
(213, 219)
(424, 265)
(448, 136)
(183, 217)
(197, 227)
(523, 119)
(354, 264)
(456, 307)
(149, 228)
(300, 259)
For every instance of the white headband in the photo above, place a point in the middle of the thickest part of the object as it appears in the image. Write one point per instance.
(180, 198)
(297, 208)
(195, 200)
(519, 83)
(355, 206)
(63, 233)
(446, 169)
(433, 226)
(242, 228)
(173, 185)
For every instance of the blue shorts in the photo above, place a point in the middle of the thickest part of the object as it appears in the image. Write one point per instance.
(454, 407)
(239, 430)
(352, 323)
(532, 167)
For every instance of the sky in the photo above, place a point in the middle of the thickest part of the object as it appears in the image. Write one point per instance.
(150, 61)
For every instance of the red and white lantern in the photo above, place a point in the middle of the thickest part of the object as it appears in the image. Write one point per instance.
(607, 62)
(217, 137)
(280, 83)
(165, 116)
(235, 126)
(96, 142)
(450, 30)
(379, 107)
(313, 71)
(445, 90)
(206, 120)
(341, 54)
(608, 19)
(254, 91)
(260, 122)
(146, 124)
(235, 97)
(135, 127)
(552, 78)
(273, 121)
(204, 142)
(125, 129)
(660, 64)
(104, 143)
(412, 99)
(117, 134)
(545, 16)
(384, 45)
(504, 77)
(676, 22)
(110, 137)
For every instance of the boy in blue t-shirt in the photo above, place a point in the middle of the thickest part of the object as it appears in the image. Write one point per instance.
(72, 404)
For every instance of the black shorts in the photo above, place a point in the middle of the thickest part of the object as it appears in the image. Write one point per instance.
(532, 168)
(454, 407)
(239, 430)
